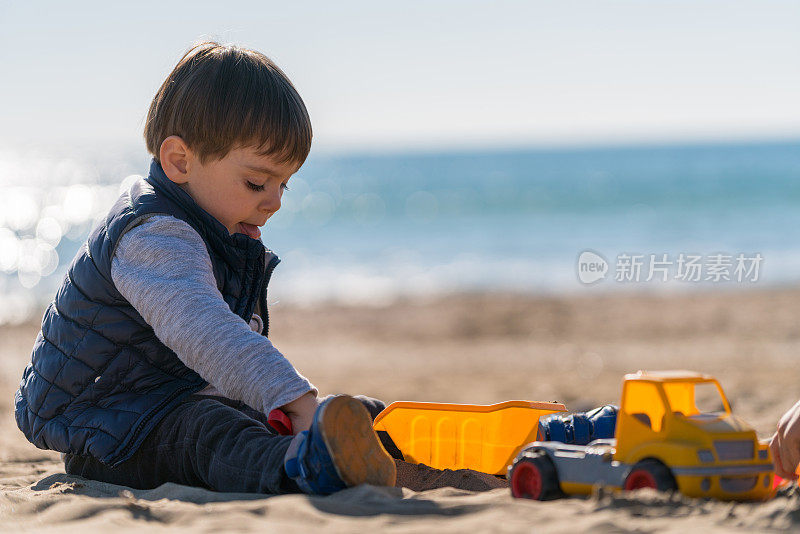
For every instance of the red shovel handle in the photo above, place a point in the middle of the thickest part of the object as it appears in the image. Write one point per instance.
(278, 420)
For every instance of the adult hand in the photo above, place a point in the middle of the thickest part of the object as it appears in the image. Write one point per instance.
(785, 444)
(301, 411)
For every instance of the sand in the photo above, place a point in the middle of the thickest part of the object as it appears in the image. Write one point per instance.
(474, 349)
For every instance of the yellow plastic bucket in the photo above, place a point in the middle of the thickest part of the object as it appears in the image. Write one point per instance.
(484, 438)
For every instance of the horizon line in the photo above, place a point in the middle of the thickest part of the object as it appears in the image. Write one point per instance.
(454, 148)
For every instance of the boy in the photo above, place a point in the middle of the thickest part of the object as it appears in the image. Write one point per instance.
(152, 364)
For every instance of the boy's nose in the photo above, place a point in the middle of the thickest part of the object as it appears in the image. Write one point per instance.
(271, 204)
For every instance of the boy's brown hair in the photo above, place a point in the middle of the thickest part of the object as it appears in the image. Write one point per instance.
(220, 97)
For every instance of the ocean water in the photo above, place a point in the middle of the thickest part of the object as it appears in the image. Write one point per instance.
(368, 229)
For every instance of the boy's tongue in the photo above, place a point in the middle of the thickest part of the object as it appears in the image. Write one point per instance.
(250, 230)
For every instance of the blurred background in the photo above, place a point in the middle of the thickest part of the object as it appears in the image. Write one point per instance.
(460, 147)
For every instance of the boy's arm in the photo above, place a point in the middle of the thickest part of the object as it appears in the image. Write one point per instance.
(163, 269)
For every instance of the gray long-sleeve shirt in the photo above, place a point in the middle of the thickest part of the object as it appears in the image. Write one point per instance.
(162, 267)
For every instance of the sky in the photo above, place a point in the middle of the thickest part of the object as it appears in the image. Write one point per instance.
(386, 76)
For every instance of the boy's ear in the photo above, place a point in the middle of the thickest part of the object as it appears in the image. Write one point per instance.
(175, 159)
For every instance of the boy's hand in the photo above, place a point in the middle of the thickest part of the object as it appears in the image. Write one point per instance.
(301, 411)
(785, 444)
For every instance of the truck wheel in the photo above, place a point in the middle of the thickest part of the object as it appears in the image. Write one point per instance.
(534, 477)
(650, 474)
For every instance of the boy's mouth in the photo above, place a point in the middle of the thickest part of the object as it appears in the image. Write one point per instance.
(250, 230)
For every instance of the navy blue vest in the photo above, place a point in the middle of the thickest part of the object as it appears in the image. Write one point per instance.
(99, 379)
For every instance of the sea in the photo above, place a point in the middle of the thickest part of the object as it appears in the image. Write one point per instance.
(368, 229)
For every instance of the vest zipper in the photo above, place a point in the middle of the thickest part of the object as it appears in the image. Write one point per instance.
(273, 262)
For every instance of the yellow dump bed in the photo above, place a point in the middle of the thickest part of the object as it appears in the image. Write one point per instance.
(463, 436)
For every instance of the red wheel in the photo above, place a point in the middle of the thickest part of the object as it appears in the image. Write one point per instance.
(638, 479)
(534, 477)
(526, 481)
(650, 474)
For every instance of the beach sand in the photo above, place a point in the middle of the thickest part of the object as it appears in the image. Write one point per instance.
(467, 349)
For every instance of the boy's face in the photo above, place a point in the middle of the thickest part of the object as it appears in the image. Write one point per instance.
(241, 190)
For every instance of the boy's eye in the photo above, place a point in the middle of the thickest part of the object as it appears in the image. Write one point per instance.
(255, 187)
(284, 187)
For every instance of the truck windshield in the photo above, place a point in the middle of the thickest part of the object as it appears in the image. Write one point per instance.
(695, 398)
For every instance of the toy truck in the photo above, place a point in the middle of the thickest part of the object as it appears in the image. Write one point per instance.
(674, 431)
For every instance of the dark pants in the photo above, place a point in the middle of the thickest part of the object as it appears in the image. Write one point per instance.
(210, 442)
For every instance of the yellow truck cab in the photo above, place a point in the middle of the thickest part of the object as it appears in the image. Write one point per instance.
(674, 431)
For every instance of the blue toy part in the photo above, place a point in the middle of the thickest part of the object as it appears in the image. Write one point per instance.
(580, 428)
(604, 421)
